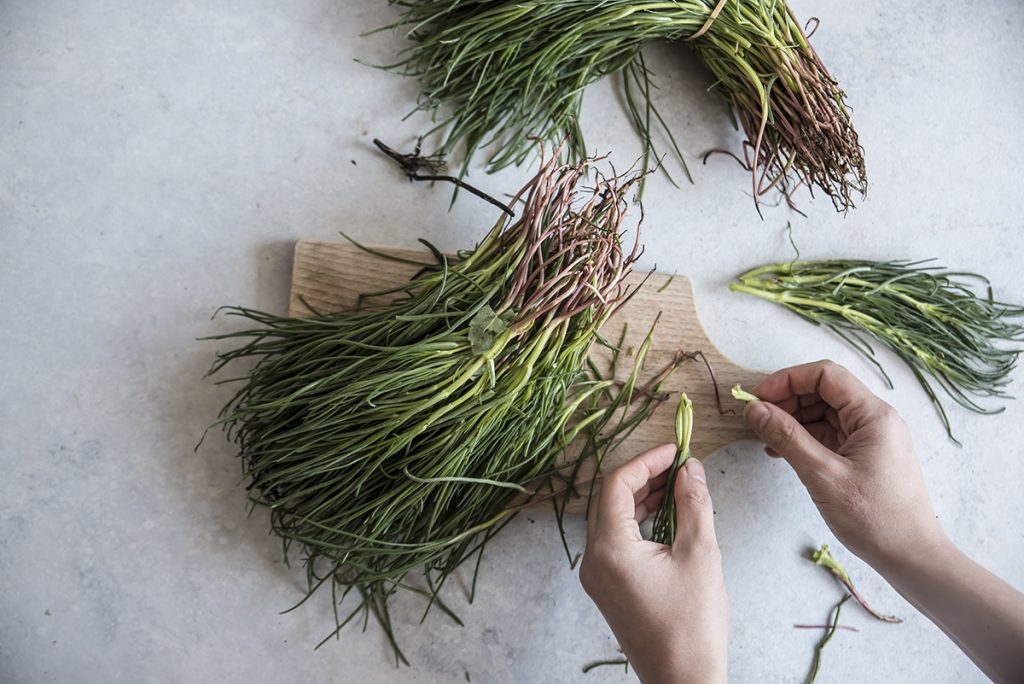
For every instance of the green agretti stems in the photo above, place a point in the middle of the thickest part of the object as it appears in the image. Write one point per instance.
(400, 436)
(664, 528)
(953, 338)
(820, 647)
(824, 558)
(499, 73)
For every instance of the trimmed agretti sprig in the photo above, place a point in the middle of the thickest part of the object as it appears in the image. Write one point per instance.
(501, 72)
(947, 333)
(405, 434)
(663, 530)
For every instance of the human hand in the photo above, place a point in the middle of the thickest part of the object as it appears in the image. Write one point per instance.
(854, 454)
(666, 605)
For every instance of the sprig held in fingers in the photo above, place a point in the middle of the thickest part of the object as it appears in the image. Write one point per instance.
(664, 529)
(743, 395)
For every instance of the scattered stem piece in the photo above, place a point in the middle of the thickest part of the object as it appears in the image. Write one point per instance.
(601, 663)
(845, 628)
(823, 557)
(816, 663)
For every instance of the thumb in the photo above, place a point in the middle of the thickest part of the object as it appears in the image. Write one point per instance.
(787, 437)
(694, 514)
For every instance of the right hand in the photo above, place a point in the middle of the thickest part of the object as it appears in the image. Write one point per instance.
(854, 454)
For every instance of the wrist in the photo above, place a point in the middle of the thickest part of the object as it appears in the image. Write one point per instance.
(683, 673)
(684, 659)
(907, 567)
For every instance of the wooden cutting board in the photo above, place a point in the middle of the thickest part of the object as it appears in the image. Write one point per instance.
(330, 275)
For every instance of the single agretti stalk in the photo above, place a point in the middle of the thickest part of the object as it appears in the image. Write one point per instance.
(948, 334)
(402, 435)
(824, 558)
(497, 73)
(820, 647)
(664, 529)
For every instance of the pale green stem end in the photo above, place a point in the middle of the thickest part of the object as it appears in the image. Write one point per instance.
(743, 395)
(684, 428)
(824, 558)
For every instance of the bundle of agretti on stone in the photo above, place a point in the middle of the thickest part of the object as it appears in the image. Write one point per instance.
(403, 435)
(501, 71)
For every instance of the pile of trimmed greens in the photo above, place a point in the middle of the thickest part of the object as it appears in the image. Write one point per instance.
(404, 434)
(933, 319)
(503, 71)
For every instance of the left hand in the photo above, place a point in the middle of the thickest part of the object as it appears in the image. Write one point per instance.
(666, 605)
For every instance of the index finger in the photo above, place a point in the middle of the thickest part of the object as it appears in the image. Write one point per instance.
(838, 387)
(616, 507)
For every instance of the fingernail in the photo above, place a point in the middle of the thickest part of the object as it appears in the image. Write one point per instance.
(757, 414)
(695, 469)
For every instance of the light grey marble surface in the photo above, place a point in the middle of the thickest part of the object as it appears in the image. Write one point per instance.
(159, 159)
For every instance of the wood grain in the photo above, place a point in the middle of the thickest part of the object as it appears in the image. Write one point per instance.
(329, 276)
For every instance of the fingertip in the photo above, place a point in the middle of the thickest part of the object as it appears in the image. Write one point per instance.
(694, 514)
(695, 469)
(757, 414)
(692, 486)
(785, 437)
(616, 505)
